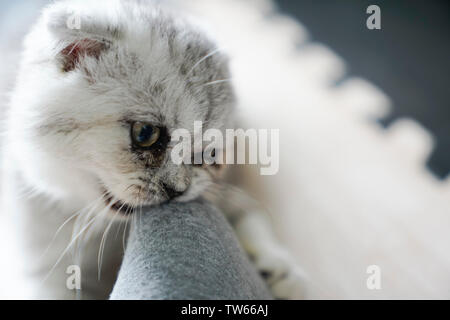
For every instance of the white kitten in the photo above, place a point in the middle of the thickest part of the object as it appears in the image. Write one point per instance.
(101, 87)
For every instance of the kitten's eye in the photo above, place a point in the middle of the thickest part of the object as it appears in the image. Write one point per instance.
(144, 135)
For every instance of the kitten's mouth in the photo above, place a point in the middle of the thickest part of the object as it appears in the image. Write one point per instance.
(119, 206)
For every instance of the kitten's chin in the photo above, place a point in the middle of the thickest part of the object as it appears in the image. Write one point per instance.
(122, 209)
(119, 207)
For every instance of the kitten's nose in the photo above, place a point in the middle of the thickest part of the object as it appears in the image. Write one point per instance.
(171, 192)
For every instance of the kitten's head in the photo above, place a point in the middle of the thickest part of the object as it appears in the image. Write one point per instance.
(101, 89)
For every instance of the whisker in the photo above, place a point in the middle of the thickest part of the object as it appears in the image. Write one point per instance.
(80, 222)
(203, 59)
(103, 240)
(216, 82)
(77, 213)
(125, 232)
(56, 234)
(67, 249)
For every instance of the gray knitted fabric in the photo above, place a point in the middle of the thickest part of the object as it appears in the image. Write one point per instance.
(186, 251)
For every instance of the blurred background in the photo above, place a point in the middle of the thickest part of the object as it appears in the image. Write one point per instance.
(364, 123)
(408, 58)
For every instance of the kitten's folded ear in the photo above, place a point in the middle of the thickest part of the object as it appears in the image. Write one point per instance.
(78, 35)
(72, 53)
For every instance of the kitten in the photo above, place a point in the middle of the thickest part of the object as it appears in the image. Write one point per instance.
(101, 87)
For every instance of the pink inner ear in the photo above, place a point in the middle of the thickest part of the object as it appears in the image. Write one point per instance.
(77, 50)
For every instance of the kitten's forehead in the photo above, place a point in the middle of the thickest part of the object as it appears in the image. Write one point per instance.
(176, 81)
(186, 78)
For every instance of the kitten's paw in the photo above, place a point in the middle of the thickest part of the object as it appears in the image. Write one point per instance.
(284, 277)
